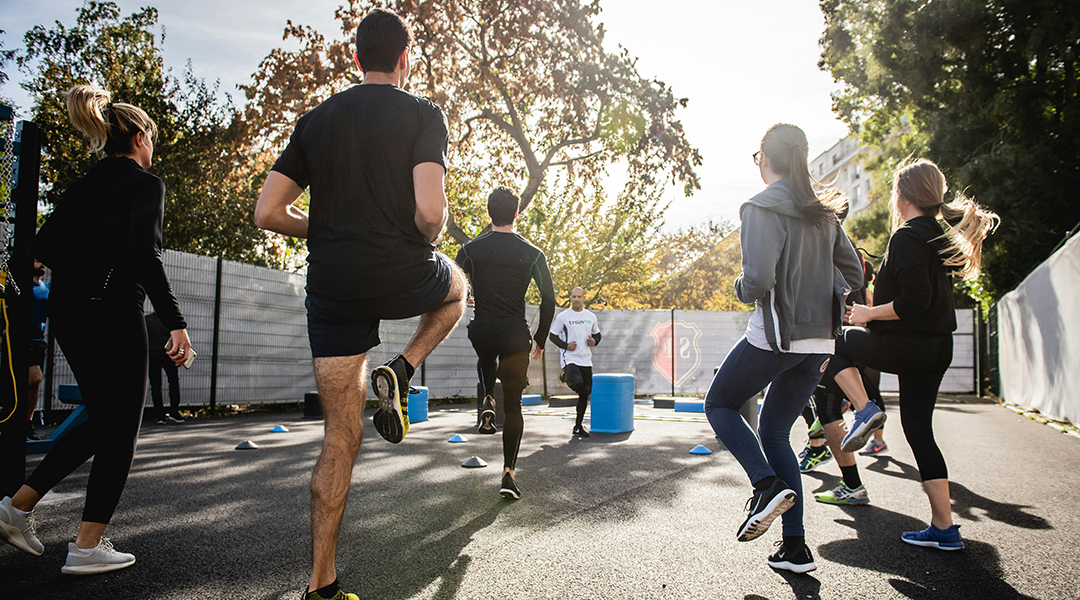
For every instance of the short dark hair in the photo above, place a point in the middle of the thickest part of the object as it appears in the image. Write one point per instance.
(380, 39)
(503, 206)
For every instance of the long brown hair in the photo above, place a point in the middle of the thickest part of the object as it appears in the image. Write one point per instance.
(921, 183)
(786, 147)
(109, 127)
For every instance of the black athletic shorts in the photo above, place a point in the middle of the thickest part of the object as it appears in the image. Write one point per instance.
(351, 327)
(37, 353)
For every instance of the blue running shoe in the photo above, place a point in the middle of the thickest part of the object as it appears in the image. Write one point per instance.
(814, 458)
(932, 537)
(867, 421)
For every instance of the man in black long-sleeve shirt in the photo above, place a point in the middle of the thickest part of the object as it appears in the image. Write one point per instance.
(500, 265)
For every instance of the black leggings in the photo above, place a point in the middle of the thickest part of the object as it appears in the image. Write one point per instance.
(502, 348)
(579, 379)
(105, 346)
(920, 364)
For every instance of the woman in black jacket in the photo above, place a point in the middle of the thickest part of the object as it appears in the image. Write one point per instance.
(103, 243)
(909, 329)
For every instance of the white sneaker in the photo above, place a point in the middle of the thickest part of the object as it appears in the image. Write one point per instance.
(100, 559)
(18, 528)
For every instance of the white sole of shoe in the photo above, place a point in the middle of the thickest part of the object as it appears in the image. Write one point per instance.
(932, 545)
(758, 524)
(15, 537)
(858, 437)
(487, 422)
(794, 568)
(93, 569)
(510, 494)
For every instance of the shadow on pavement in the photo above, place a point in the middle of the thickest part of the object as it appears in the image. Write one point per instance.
(914, 571)
(208, 521)
(965, 502)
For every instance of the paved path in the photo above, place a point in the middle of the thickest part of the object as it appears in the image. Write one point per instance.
(614, 516)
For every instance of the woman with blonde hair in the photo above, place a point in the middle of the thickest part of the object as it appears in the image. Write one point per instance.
(797, 268)
(103, 244)
(909, 330)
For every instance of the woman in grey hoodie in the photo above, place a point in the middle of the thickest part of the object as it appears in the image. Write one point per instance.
(797, 267)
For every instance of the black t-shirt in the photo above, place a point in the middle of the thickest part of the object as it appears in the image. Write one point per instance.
(357, 151)
(914, 278)
(500, 266)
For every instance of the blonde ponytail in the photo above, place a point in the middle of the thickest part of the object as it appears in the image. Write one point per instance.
(921, 183)
(109, 127)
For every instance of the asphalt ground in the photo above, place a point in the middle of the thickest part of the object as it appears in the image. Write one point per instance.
(612, 516)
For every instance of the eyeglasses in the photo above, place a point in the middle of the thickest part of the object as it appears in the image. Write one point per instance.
(757, 157)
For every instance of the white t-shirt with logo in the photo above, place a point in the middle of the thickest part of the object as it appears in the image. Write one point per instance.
(575, 326)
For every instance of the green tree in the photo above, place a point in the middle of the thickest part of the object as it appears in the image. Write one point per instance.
(535, 103)
(200, 152)
(696, 268)
(986, 89)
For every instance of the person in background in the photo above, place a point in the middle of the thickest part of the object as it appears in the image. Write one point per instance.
(576, 332)
(37, 346)
(160, 361)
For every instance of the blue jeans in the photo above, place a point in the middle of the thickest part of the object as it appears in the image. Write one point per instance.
(791, 379)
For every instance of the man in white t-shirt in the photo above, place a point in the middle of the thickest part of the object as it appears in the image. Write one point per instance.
(575, 332)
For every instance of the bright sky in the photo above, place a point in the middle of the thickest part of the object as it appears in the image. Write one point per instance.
(743, 65)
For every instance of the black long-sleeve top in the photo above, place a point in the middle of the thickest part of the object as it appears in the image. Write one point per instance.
(914, 278)
(500, 266)
(103, 241)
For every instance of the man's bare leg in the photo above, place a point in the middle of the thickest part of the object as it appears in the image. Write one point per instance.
(834, 434)
(342, 387)
(436, 325)
(32, 392)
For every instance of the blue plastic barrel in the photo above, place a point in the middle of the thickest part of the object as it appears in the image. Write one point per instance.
(418, 405)
(612, 403)
(531, 399)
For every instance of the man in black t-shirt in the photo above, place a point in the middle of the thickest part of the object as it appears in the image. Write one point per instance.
(500, 264)
(373, 158)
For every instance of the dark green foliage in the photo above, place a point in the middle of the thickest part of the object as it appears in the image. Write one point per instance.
(988, 90)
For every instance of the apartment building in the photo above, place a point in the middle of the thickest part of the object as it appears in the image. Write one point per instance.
(843, 164)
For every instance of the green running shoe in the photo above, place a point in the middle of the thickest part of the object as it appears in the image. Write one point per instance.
(817, 432)
(842, 494)
(813, 460)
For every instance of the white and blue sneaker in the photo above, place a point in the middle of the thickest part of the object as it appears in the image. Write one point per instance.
(932, 537)
(867, 421)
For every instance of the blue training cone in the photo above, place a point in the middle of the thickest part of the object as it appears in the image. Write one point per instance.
(280, 429)
(457, 439)
(699, 449)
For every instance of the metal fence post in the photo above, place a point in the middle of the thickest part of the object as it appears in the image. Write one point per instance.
(217, 331)
(673, 344)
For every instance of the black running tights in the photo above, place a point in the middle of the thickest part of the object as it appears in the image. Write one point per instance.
(920, 364)
(105, 346)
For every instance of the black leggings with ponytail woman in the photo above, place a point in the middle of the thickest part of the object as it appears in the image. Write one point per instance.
(909, 330)
(103, 244)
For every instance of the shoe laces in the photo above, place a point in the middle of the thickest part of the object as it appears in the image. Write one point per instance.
(107, 546)
(31, 523)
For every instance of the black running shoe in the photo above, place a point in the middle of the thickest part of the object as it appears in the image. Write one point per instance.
(798, 561)
(391, 385)
(764, 506)
(509, 489)
(176, 418)
(580, 431)
(31, 433)
(487, 416)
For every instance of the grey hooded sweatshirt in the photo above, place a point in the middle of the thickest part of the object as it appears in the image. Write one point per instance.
(797, 273)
